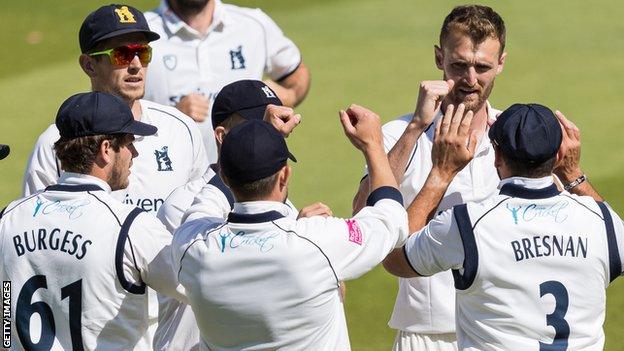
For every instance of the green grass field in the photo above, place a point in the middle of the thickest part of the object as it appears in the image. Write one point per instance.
(565, 54)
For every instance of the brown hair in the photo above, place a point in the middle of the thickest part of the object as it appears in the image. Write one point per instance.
(476, 21)
(78, 154)
(252, 191)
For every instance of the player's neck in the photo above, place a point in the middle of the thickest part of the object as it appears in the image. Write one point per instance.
(137, 112)
(198, 20)
(479, 120)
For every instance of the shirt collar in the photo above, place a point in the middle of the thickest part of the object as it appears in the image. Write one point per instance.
(528, 188)
(174, 24)
(77, 181)
(257, 211)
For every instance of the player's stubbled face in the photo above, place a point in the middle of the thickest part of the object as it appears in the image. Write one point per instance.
(127, 82)
(123, 161)
(472, 66)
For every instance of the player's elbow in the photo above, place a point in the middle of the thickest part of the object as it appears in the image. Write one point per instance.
(396, 264)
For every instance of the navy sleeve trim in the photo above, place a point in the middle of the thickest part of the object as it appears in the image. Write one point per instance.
(283, 77)
(615, 264)
(2, 212)
(384, 192)
(119, 254)
(410, 263)
(218, 183)
(471, 255)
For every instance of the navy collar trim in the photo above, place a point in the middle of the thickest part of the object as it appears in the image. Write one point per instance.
(515, 190)
(254, 218)
(74, 188)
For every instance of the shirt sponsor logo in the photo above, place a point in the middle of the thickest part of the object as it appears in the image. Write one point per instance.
(261, 241)
(124, 14)
(148, 205)
(237, 59)
(555, 212)
(163, 160)
(73, 209)
(170, 61)
(355, 234)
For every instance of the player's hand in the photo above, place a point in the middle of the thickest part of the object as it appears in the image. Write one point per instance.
(430, 96)
(454, 144)
(316, 209)
(568, 166)
(362, 126)
(282, 118)
(195, 106)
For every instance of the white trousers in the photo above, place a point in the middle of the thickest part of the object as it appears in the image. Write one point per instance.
(406, 341)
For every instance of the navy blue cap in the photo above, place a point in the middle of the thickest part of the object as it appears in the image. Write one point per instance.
(5, 150)
(252, 151)
(111, 21)
(248, 98)
(97, 113)
(527, 132)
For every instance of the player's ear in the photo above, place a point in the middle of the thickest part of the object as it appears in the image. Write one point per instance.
(86, 63)
(284, 177)
(219, 133)
(501, 63)
(439, 57)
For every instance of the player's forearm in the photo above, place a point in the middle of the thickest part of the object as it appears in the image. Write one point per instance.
(359, 200)
(294, 88)
(401, 151)
(422, 209)
(396, 264)
(379, 172)
(583, 189)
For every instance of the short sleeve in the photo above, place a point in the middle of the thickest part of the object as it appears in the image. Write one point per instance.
(42, 169)
(437, 247)
(356, 245)
(283, 56)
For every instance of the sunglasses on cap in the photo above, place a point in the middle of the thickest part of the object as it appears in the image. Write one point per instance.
(123, 55)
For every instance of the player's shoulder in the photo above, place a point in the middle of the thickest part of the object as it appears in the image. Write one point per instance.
(247, 15)
(6, 211)
(49, 136)
(397, 125)
(586, 202)
(199, 228)
(163, 116)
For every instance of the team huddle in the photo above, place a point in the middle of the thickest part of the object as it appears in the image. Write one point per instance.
(164, 222)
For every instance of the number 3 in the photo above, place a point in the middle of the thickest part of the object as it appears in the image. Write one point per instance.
(25, 310)
(556, 319)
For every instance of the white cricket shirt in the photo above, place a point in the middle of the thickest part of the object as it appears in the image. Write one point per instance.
(170, 158)
(425, 305)
(531, 266)
(262, 281)
(241, 43)
(81, 261)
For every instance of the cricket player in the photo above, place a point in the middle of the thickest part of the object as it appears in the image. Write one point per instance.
(115, 55)
(274, 278)
(206, 45)
(471, 53)
(236, 103)
(532, 263)
(77, 259)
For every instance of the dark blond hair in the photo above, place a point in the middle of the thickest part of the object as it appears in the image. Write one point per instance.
(477, 22)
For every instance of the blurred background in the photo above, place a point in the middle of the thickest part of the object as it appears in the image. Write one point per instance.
(568, 55)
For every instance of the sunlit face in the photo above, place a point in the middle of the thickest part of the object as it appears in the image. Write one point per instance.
(127, 82)
(473, 68)
(120, 171)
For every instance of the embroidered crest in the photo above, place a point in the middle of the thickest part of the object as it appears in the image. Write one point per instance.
(125, 16)
(170, 61)
(237, 58)
(268, 92)
(163, 160)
